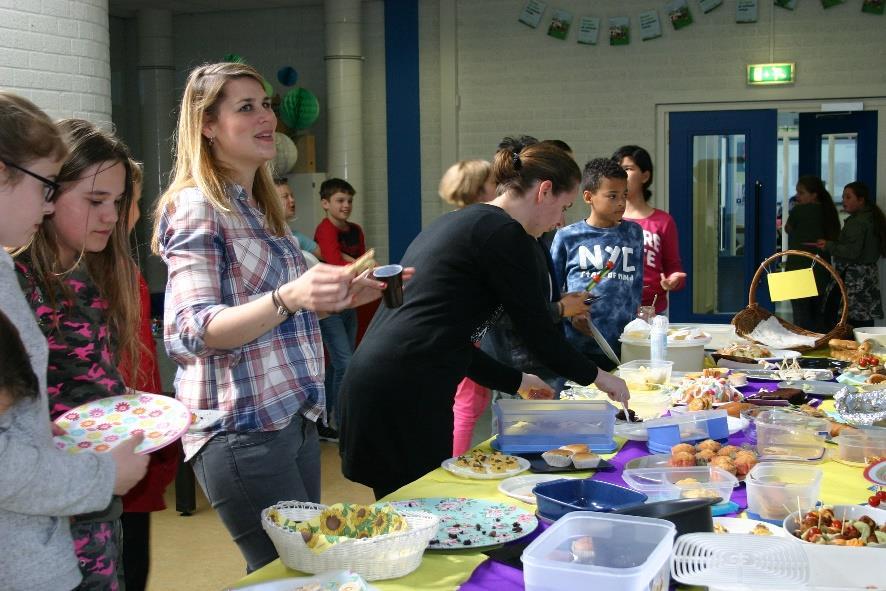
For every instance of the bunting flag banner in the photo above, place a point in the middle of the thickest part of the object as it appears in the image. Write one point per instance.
(619, 30)
(678, 13)
(746, 11)
(560, 22)
(788, 4)
(588, 30)
(650, 25)
(708, 5)
(532, 13)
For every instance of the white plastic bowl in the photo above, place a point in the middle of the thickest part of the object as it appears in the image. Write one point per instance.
(872, 333)
(841, 512)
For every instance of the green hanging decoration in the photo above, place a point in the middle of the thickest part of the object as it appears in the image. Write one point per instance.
(299, 109)
(233, 57)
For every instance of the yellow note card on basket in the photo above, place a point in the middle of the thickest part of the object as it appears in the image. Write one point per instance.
(791, 285)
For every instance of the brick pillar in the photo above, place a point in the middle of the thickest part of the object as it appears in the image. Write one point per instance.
(57, 53)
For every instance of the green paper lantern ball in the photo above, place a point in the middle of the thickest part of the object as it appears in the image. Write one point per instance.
(299, 108)
(233, 57)
(269, 88)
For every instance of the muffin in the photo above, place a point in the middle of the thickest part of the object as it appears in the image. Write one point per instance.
(682, 447)
(704, 457)
(558, 458)
(724, 463)
(729, 451)
(709, 444)
(683, 459)
(585, 460)
(583, 549)
(576, 448)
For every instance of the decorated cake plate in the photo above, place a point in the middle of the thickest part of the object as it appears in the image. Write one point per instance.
(473, 523)
(101, 425)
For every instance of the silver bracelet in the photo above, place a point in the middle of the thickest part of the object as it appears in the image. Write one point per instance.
(282, 310)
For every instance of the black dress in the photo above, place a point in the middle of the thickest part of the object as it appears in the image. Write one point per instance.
(397, 394)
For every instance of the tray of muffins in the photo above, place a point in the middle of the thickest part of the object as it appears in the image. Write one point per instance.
(574, 457)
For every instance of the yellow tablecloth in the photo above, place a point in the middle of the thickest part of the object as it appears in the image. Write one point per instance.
(841, 484)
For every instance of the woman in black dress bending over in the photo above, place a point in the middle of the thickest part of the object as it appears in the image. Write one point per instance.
(471, 265)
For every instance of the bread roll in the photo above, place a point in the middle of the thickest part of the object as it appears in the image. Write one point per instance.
(843, 345)
(576, 448)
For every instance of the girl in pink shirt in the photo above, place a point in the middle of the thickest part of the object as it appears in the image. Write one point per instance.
(662, 270)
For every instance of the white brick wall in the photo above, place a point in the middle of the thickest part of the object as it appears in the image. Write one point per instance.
(57, 53)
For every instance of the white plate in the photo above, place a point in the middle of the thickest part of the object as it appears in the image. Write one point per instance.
(737, 525)
(449, 466)
(818, 388)
(520, 487)
(637, 431)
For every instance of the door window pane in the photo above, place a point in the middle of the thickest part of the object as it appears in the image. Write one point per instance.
(839, 162)
(718, 199)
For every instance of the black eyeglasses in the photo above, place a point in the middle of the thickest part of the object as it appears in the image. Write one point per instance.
(50, 188)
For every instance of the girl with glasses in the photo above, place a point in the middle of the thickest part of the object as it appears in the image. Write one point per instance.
(40, 486)
(80, 281)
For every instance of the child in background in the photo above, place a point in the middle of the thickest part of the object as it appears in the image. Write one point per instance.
(861, 244)
(662, 269)
(583, 248)
(147, 495)
(341, 242)
(281, 184)
(81, 283)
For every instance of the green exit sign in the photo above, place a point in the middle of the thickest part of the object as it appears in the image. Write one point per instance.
(766, 74)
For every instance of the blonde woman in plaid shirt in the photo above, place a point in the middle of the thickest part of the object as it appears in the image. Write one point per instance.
(241, 308)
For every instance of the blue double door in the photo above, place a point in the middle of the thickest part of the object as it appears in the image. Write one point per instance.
(723, 196)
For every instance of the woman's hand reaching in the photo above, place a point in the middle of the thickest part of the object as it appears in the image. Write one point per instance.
(613, 386)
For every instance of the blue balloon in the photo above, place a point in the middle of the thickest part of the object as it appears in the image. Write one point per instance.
(287, 75)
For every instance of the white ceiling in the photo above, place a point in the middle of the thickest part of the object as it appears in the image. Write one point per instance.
(126, 8)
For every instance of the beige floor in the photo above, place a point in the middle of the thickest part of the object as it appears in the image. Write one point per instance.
(196, 553)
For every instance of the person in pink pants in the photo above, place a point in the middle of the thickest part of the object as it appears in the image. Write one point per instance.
(464, 183)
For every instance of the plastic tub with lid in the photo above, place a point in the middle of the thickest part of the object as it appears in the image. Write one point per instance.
(586, 550)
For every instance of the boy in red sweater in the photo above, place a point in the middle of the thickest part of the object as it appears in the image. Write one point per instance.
(341, 242)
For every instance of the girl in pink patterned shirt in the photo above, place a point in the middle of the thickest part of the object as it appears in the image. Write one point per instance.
(662, 269)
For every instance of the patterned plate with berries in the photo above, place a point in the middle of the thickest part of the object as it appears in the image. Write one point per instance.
(101, 425)
(473, 523)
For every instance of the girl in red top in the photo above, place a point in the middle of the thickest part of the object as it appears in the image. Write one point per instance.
(662, 270)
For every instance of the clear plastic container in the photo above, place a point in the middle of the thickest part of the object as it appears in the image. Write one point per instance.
(540, 425)
(791, 436)
(616, 553)
(689, 427)
(666, 483)
(855, 447)
(640, 372)
(776, 488)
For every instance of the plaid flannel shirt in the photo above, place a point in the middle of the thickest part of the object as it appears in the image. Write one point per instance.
(217, 260)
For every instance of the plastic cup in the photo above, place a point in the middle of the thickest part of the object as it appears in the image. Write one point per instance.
(392, 275)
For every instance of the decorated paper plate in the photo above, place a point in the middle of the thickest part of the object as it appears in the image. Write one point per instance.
(520, 487)
(737, 525)
(637, 431)
(101, 425)
(473, 523)
(449, 466)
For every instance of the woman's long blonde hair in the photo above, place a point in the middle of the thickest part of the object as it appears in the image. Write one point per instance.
(112, 269)
(196, 166)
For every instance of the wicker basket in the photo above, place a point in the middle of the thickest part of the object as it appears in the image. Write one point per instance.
(746, 320)
(382, 557)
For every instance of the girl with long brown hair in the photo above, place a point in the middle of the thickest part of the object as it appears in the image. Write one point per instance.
(78, 278)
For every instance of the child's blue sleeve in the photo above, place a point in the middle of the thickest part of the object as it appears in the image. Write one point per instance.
(559, 255)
